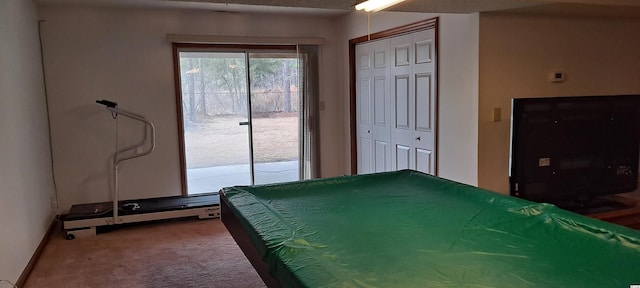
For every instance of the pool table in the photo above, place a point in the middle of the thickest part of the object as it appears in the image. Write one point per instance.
(409, 229)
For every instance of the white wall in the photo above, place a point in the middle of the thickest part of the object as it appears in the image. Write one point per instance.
(517, 53)
(458, 86)
(123, 55)
(26, 186)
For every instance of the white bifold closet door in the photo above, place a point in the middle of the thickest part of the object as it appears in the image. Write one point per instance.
(396, 103)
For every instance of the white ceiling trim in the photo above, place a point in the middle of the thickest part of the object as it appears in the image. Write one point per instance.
(338, 7)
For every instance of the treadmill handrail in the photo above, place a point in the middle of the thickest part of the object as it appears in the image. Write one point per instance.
(147, 124)
(117, 161)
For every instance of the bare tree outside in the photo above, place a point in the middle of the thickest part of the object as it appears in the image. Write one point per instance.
(215, 100)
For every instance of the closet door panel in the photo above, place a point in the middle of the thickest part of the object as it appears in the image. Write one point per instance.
(372, 100)
(397, 103)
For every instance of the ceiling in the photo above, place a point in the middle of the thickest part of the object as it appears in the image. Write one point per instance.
(630, 8)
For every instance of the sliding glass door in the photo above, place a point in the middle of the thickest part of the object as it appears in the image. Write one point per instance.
(215, 117)
(242, 114)
(274, 117)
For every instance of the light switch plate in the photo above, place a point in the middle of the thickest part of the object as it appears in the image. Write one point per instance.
(497, 114)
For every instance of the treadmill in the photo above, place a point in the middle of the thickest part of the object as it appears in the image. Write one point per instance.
(83, 219)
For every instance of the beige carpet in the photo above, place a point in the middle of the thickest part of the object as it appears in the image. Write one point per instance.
(185, 253)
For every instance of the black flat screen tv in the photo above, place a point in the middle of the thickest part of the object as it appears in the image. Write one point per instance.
(571, 151)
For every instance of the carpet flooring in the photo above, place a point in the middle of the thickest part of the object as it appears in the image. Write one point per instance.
(184, 253)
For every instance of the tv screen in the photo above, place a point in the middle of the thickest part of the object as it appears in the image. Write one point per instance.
(569, 151)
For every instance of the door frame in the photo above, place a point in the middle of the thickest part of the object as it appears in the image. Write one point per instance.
(179, 47)
(431, 23)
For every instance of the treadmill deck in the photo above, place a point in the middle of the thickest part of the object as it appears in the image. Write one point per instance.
(105, 209)
(83, 219)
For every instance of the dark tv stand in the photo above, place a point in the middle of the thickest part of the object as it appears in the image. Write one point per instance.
(592, 205)
(626, 214)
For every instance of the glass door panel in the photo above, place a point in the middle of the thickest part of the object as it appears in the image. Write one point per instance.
(275, 117)
(215, 120)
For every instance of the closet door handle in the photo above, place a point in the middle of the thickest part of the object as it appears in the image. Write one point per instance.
(244, 123)
(418, 138)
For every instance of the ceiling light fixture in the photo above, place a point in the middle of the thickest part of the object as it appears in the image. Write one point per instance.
(376, 5)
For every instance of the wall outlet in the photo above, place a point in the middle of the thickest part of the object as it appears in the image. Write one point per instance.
(557, 77)
(54, 203)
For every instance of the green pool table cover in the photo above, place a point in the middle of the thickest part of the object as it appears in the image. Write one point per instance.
(408, 229)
